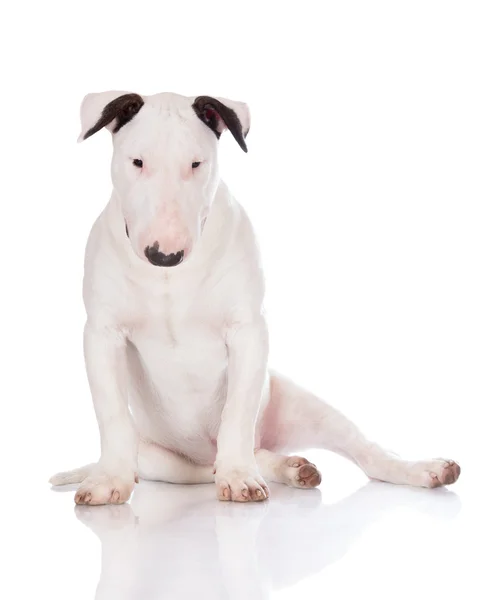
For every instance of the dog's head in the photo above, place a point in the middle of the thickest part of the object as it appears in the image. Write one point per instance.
(164, 165)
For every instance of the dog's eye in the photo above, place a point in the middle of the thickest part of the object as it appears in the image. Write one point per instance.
(195, 165)
(138, 162)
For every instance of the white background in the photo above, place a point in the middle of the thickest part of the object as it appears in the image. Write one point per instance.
(361, 180)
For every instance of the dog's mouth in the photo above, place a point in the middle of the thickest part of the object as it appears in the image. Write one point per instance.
(126, 229)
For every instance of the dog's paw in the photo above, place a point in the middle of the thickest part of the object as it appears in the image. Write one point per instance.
(299, 472)
(105, 488)
(240, 485)
(439, 472)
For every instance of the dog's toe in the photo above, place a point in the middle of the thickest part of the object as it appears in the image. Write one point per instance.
(433, 473)
(241, 486)
(443, 472)
(104, 489)
(299, 472)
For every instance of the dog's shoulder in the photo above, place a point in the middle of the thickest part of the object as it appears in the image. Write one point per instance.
(105, 280)
(237, 275)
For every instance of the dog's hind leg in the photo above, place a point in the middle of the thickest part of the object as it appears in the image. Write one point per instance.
(155, 464)
(296, 419)
(159, 464)
(69, 477)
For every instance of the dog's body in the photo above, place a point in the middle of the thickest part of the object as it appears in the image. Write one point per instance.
(177, 357)
(176, 323)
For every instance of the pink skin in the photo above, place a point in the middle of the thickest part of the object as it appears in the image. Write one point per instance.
(168, 230)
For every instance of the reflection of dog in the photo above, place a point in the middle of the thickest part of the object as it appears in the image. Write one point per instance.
(173, 541)
(176, 343)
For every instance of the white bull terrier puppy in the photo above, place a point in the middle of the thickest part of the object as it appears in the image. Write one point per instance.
(176, 343)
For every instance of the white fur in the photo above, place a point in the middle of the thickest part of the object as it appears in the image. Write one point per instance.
(177, 356)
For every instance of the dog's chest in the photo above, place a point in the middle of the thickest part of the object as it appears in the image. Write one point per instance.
(178, 332)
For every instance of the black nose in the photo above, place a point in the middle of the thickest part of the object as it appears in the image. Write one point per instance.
(159, 259)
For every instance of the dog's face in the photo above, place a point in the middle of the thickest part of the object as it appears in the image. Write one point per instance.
(164, 166)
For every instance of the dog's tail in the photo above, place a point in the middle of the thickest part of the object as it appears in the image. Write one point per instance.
(75, 476)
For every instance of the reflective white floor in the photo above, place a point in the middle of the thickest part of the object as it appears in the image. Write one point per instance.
(353, 537)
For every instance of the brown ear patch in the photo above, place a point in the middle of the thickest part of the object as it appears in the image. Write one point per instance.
(211, 111)
(123, 109)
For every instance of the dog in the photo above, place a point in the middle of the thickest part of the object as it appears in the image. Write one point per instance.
(176, 341)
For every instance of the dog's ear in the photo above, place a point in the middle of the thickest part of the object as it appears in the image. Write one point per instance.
(220, 114)
(107, 109)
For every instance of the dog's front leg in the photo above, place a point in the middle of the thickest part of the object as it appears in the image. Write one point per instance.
(113, 478)
(237, 475)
